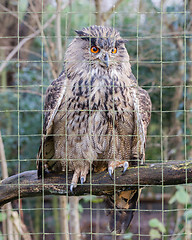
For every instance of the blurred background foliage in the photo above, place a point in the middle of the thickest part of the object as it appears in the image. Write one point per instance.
(159, 35)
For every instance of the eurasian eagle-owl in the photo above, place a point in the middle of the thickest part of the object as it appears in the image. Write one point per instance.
(96, 116)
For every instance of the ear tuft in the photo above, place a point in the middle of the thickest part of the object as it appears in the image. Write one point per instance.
(81, 33)
(121, 41)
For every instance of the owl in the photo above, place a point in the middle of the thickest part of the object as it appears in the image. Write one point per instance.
(96, 117)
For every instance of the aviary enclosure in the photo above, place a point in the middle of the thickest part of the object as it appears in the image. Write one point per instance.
(34, 35)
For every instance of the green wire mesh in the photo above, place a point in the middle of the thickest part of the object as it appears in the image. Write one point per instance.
(160, 46)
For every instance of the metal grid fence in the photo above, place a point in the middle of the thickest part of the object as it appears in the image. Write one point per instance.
(34, 36)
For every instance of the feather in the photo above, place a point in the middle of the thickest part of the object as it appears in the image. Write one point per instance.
(121, 210)
(54, 95)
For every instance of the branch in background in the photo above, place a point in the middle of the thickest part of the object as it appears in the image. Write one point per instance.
(173, 172)
(68, 25)
(64, 215)
(189, 89)
(44, 39)
(3, 159)
(98, 12)
(15, 225)
(21, 50)
(24, 91)
(58, 35)
(102, 17)
(74, 218)
(8, 224)
(63, 200)
(106, 15)
(16, 16)
(17, 48)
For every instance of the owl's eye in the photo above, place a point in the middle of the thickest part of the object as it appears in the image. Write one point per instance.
(114, 50)
(94, 49)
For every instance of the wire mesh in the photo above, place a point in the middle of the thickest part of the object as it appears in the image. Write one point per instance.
(34, 37)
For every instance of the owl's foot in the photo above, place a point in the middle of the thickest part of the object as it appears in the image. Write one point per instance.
(71, 187)
(114, 164)
(79, 173)
(125, 166)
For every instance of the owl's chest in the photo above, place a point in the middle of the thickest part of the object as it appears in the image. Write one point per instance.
(95, 106)
(100, 94)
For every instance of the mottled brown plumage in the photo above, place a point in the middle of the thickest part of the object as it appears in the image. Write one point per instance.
(96, 115)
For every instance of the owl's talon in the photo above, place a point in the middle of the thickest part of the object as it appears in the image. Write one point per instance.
(71, 187)
(110, 170)
(82, 180)
(125, 166)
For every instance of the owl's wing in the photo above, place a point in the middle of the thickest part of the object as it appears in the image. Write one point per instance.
(142, 116)
(125, 201)
(54, 96)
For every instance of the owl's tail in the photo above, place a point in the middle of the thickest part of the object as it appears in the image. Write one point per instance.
(121, 210)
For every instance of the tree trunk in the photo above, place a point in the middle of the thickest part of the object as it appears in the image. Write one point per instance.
(64, 218)
(8, 224)
(189, 90)
(74, 218)
(14, 223)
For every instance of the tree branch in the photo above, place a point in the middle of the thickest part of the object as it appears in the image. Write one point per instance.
(27, 38)
(105, 16)
(27, 184)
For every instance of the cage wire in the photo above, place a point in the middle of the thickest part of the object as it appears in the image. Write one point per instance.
(33, 39)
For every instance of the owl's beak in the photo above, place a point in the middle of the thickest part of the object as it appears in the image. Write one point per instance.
(106, 59)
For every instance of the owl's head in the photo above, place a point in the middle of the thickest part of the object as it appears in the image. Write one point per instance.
(99, 46)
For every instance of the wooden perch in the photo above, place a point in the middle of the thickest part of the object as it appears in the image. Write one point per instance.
(27, 184)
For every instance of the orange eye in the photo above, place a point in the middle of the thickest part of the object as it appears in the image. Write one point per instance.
(114, 50)
(94, 49)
